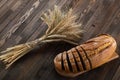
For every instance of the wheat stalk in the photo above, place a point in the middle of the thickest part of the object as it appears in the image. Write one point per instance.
(61, 27)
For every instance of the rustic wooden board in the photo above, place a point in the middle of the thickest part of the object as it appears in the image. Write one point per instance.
(96, 16)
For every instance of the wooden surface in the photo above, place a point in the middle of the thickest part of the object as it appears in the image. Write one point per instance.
(96, 16)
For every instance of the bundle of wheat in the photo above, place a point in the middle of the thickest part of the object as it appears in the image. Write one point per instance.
(61, 27)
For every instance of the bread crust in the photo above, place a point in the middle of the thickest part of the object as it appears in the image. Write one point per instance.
(89, 55)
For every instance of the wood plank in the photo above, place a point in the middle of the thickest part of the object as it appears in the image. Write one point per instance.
(2, 2)
(12, 16)
(117, 74)
(16, 5)
(6, 7)
(99, 19)
(10, 28)
(96, 16)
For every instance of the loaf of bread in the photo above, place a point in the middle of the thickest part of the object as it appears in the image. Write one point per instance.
(89, 55)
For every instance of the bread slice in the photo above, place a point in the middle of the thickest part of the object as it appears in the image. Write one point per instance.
(89, 55)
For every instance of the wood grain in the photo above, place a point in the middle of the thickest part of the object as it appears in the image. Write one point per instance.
(96, 16)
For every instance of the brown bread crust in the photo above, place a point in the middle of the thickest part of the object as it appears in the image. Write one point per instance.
(89, 55)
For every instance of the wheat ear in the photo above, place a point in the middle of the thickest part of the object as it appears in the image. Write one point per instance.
(61, 27)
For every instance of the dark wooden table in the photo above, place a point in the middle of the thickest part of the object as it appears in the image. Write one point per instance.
(96, 16)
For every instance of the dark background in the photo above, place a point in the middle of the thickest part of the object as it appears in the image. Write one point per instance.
(96, 16)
